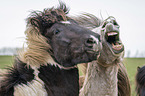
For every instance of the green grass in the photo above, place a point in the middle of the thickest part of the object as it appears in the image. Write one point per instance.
(130, 63)
(5, 61)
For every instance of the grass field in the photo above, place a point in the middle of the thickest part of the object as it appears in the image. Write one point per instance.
(5, 61)
(130, 63)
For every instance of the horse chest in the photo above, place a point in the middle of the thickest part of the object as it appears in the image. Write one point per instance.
(59, 82)
(50, 81)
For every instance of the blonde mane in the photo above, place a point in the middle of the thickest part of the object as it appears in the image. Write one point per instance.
(37, 52)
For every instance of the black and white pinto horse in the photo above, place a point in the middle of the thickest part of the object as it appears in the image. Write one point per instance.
(47, 67)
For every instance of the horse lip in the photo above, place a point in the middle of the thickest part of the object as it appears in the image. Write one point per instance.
(116, 48)
(93, 52)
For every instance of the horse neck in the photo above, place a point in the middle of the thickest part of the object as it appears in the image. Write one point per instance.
(100, 81)
(59, 82)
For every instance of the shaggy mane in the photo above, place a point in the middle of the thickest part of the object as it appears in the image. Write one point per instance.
(124, 88)
(38, 50)
(88, 20)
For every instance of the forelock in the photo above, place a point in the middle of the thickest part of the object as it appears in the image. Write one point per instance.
(41, 20)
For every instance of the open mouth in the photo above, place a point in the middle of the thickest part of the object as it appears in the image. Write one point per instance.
(114, 42)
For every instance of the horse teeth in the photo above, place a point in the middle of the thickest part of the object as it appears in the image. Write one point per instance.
(112, 33)
(116, 47)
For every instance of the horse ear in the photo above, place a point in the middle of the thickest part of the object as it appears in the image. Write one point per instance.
(138, 68)
(35, 22)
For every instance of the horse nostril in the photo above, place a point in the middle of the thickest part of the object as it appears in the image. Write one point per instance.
(90, 41)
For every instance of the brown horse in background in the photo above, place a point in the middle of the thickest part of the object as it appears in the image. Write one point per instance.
(140, 81)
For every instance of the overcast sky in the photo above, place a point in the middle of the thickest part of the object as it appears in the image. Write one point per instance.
(130, 14)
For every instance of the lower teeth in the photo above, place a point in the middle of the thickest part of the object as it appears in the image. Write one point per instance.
(116, 47)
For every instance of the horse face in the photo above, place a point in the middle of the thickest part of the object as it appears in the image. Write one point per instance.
(110, 32)
(72, 44)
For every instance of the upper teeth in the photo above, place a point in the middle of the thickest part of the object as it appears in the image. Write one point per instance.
(112, 33)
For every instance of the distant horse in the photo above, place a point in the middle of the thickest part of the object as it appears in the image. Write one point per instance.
(140, 81)
(47, 67)
(107, 75)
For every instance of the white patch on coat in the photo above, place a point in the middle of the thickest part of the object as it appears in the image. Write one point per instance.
(52, 62)
(34, 88)
(97, 46)
(65, 22)
(97, 30)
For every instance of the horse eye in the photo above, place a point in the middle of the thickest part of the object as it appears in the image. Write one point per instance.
(56, 31)
(115, 23)
(104, 24)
